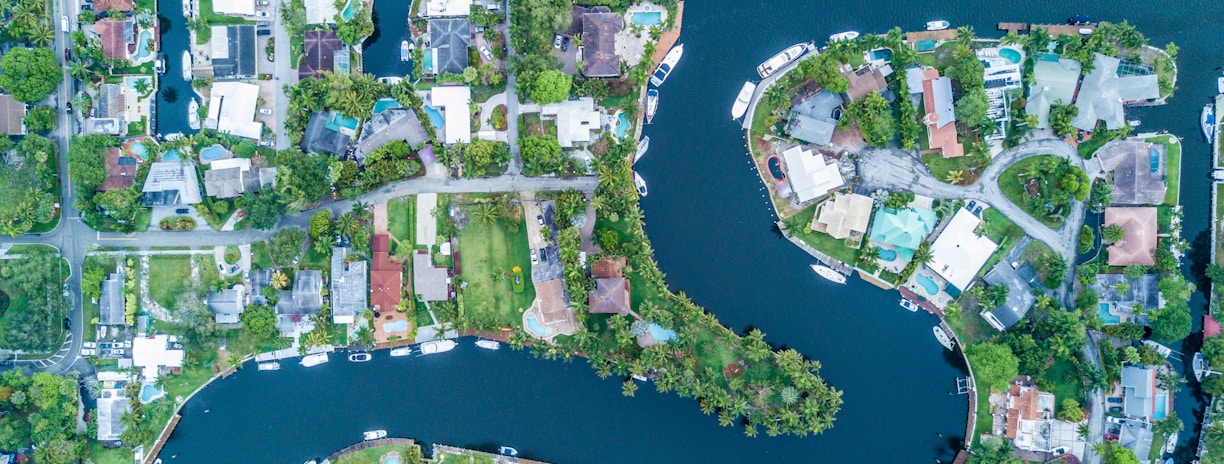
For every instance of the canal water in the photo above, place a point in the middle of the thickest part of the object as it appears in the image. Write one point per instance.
(174, 93)
(382, 50)
(711, 227)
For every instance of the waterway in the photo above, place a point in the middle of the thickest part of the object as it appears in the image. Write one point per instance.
(382, 50)
(711, 227)
(174, 93)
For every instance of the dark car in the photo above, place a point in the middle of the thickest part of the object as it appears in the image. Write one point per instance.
(67, 324)
(68, 107)
(1115, 409)
(67, 54)
(263, 32)
(180, 211)
(565, 44)
(1115, 400)
(1111, 437)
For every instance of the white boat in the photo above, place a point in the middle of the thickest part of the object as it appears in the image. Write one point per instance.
(640, 184)
(1220, 85)
(829, 274)
(405, 351)
(269, 366)
(1134, 123)
(405, 50)
(841, 36)
(1207, 120)
(937, 25)
(643, 145)
(159, 66)
(359, 357)
(783, 58)
(1163, 350)
(652, 104)
(1200, 366)
(186, 65)
(907, 304)
(193, 114)
(507, 451)
(742, 100)
(943, 337)
(373, 435)
(314, 359)
(437, 346)
(665, 68)
(1171, 443)
(488, 344)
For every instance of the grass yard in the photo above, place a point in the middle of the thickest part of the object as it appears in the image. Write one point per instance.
(831, 246)
(187, 382)
(315, 260)
(373, 455)
(208, 270)
(261, 258)
(1219, 214)
(1064, 377)
(761, 117)
(1173, 171)
(620, 101)
(1013, 188)
(940, 166)
(401, 219)
(489, 252)
(99, 455)
(17, 303)
(168, 275)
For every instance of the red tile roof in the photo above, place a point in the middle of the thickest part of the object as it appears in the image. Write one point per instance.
(940, 138)
(386, 276)
(1138, 244)
(1211, 327)
(110, 32)
(120, 170)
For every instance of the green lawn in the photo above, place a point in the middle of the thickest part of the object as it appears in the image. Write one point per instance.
(761, 116)
(823, 242)
(168, 275)
(315, 260)
(1002, 231)
(1219, 215)
(373, 455)
(1010, 184)
(17, 304)
(100, 455)
(489, 252)
(401, 219)
(984, 419)
(1173, 172)
(187, 382)
(940, 166)
(208, 270)
(261, 258)
(1065, 379)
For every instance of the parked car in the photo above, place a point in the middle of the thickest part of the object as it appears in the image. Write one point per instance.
(181, 211)
(486, 53)
(87, 7)
(535, 258)
(68, 107)
(263, 32)
(263, 14)
(1115, 409)
(565, 43)
(1115, 400)
(265, 111)
(578, 54)
(262, 23)
(262, 3)
(540, 218)
(67, 323)
(557, 41)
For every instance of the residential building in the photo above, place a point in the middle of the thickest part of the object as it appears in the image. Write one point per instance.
(552, 310)
(814, 119)
(1136, 436)
(320, 53)
(260, 278)
(1108, 88)
(444, 8)
(428, 282)
(960, 252)
(844, 215)
(306, 296)
(1029, 411)
(600, 57)
(1138, 244)
(348, 286)
(940, 118)
(1123, 299)
(903, 230)
(117, 36)
(1000, 76)
(386, 276)
(120, 170)
(387, 126)
(111, 301)
(1018, 301)
(233, 50)
(227, 305)
(231, 109)
(449, 40)
(153, 354)
(171, 183)
(322, 137)
(576, 120)
(231, 177)
(811, 176)
(866, 80)
(110, 102)
(453, 101)
(12, 115)
(1138, 169)
(234, 7)
(1054, 82)
(112, 405)
(611, 296)
(1140, 393)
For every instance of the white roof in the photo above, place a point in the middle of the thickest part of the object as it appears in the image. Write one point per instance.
(913, 80)
(234, 7)
(220, 42)
(320, 11)
(150, 353)
(231, 109)
(228, 163)
(448, 7)
(809, 174)
(576, 119)
(453, 101)
(945, 111)
(959, 253)
(110, 407)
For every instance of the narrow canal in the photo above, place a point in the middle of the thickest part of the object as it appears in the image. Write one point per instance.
(174, 93)
(711, 227)
(382, 50)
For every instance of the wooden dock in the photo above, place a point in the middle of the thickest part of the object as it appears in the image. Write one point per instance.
(831, 262)
(1056, 30)
(1012, 27)
(938, 36)
(161, 441)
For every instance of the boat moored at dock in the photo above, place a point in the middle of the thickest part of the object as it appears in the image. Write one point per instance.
(405, 50)
(829, 274)
(665, 67)
(1200, 366)
(1207, 121)
(909, 305)
(186, 65)
(437, 346)
(742, 100)
(269, 366)
(843, 36)
(488, 344)
(373, 435)
(652, 104)
(642, 146)
(507, 451)
(943, 337)
(640, 184)
(783, 58)
(403, 351)
(359, 357)
(314, 359)
(938, 25)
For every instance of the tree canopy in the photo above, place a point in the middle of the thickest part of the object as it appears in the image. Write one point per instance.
(38, 277)
(993, 364)
(541, 155)
(30, 74)
(550, 86)
(28, 189)
(40, 409)
(286, 245)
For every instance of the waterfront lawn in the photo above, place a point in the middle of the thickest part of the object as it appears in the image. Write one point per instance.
(168, 276)
(261, 258)
(373, 455)
(100, 455)
(1173, 169)
(1219, 215)
(1157, 448)
(489, 252)
(192, 378)
(761, 117)
(823, 242)
(984, 419)
(401, 221)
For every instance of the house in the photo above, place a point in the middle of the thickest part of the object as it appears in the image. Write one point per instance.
(1139, 392)
(234, 7)
(231, 177)
(112, 405)
(153, 353)
(442, 8)
(576, 120)
(902, 230)
(260, 278)
(387, 126)
(845, 215)
(118, 37)
(386, 277)
(866, 80)
(429, 283)
(453, 101)
(227, 305)
(1054, 82)
(599, 54)
(1028, 412)
(1138, 169)
(12, 115)
(1124, 299)
(231, 109)
(449, 41)
(348, 286)
(320, 11)
(1138, 244)
(814, 119)
(552, 310)
(1108, 88)
(102, 6)
(109, 104)
(321, 138)
(111, 302)
(120, 170)
(171, 183)
(940, 116)
(1136, 436)
(1018, 302)
(320, 53)
(959, 252)
(810, 175)
(233, 50)
(306, 296)
(611, 296)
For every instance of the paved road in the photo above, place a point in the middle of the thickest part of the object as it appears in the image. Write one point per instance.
(512, 105)
(283, 75)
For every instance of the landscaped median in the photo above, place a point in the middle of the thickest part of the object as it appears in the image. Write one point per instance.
(1044, 186)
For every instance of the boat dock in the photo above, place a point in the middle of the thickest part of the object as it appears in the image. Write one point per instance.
(768, 81)
(1056, 30)
(161, 440)
(938, 36)
(1012, 27)
(480, 456)
(824, 259)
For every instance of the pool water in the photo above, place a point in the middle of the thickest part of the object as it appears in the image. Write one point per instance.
(172, 155)
(393, 459)
(622, 125)
(348, 12)
(214, 152)
(384, 105)
(397, 326)
(887, 255)
(1011, 55)
(927, 283)
(435, 117)
(142, 47)
(661, 335)
(647, 18)
(341, 121)
(535, 327)
(1106, 317)
(150, 392)
(427, 62)
(881, 54)
(1161, 407)
(775, 168)
(139, 149)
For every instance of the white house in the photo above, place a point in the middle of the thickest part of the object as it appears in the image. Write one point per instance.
(810, 174)
(154, 352)
(231, 109)
(234, 7)
(959, 253)
(439, 8)
(576, 120)
(453, 101)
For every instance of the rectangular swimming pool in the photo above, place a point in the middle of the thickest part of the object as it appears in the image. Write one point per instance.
(1106, 316)
(647, 18)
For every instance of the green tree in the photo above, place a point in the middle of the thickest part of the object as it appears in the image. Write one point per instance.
(1113, 233)
(259, 321)
(263, 209)
(1170, 324)
(286, 245)
(1060, 118)
(1087, 239)
(121, 203)
(875, 119)
(550, 86)
(994, 450)
(1070, 410)
(41, 119)
(480, 155)
(972, 107)
(541, 155)
(30, 74)
(320, 225)
(994, 365)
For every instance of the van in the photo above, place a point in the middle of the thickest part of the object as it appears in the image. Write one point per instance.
(64, 23)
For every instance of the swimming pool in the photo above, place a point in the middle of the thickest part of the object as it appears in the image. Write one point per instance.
(622, 126)
(385, 104)
(396, 326)
(393, 458)
(1011, 55)
(348, 12)
(1106, 317)
(150, 392)
(172, 155)
(647, 18)
(775, 168)
(142, 47)
(139, 149)
(427, 62)
(339, 121)
(661, 335)
(880, 54)
(435, 117)
(535, 327)
(887, 255)
(1161, 407)
(214, 152)
(927, 283)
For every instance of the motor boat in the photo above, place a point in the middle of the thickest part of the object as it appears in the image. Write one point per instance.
(652, 104)
(640, 184)
(829, 274)
(1134, 123)
(437, 346)
(843, 36)
(405, 351)
(943, 337)
(193, 114)
(269, 366)
(405, 50)
(1207, 120)
(1220, 85)
(1080, 20)
(907, 304)
(643, 145)
(937, 25)
(186, 65)
(1171, 443)
(1200, 366)
(665, 68)
(507, 451)
(742, 100)
(159, 66)
(359, 357)
(373, 435)
(783, 58)
(314, 359)
(488, 344)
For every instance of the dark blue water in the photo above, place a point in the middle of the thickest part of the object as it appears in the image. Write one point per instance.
(710, 223)
(382, 50)
(174, 93)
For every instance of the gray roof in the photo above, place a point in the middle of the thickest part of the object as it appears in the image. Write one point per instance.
(599, 57)
(389, 125)
(259, 279)
(224, 183)
(1104, 91)
(449, 39)
(111, 303)
(913, 79)
(171, 183)
(349, 284)
(1138, 386)
(1054, 81)
(941, 94)
(812, 119)
(427, 281)
(1142, 291)
(306, 296)
(1136, 437)
(111, 407)
(1018, 300)
(242, 55)
(109, 102)
(319, 139)
(1138, 171)
(226, 305)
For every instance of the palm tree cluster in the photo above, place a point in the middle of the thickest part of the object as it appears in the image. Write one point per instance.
(30, 20)
(352, 95)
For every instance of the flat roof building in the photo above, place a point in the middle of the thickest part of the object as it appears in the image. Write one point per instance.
(454, 101)
(233, 51)
(171, 183)
(811, 176)
(576, 120)
(231, 109)
(959, 252)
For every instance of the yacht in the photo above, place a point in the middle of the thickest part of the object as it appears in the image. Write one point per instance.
(437, 346)
(359, 357)
(1220, 85)
(829, 274)
(937, 25)
(842, 36)
(269, 366)
(193, 114)
(186, 65)
(742, 100)
(641, 148)
(405, 50)
(507, 451)
(1200, 366)
(907, 304)
(1207, 120)
(652, 104)
(943, 337)
(1163, 350)
(640, 184)
(159, 66)
(314, 359)
(783, 58)
(665, 68)
(1171, 443)
(488, 344)
(1134, 122)
(405, 351)
(373, 435)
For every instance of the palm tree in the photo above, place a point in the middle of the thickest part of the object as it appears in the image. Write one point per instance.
(923, 255)
(42, 36)
(361, 209)
(78, 71)
(790, 395)
(955, 176)
(280, 280)
(485, 214)
(776, 95)
(347, 224)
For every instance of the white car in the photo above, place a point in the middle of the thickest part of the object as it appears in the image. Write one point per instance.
(578, 54)
(265, 111)
(484, 51)
(557, 41)
(263, 14)
(535, 259)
